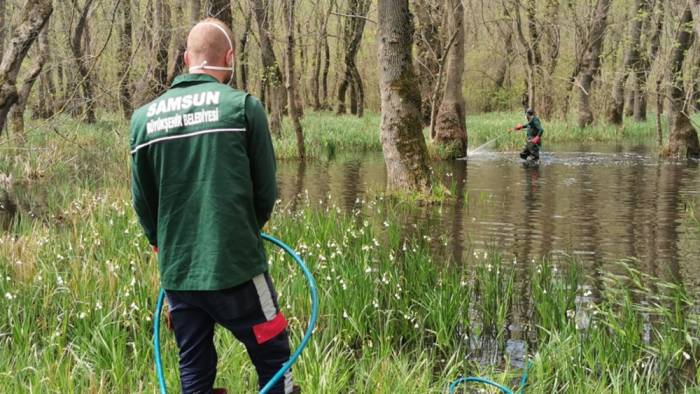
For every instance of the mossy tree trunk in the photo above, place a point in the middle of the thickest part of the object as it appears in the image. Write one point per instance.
(290, 82)
(354, 26)
(272, 75)
(30, 77)
(80, 56)
(451, 126)
(590, 66)
(639, 13)
(403, 144)
(683, 138)
(125, 53)
(34, 16)
(695, 10)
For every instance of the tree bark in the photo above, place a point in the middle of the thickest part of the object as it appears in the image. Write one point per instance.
(80, 56)
(3, 8)
(640, 12)
(354, 26)
(590, 65)
(125, 53)
(429, 51)
(695, 10)
(551, 42)
(195, 11)
(34, 16)
(243, 53)
(683, 138)
(403, 144)
(272, 75)
(643, 68)
(161, 48)
(450, 126)
(291, 78)
(17, 111)
(180, 43)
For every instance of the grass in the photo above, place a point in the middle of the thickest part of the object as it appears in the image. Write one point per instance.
(78, 286)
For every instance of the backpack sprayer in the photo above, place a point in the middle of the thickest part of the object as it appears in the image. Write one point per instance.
(293, 359)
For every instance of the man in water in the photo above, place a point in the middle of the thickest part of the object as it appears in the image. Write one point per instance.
(203, 185)
(534, 136)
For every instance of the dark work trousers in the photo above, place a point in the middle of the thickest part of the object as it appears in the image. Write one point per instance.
(250, 311)
(531, 150)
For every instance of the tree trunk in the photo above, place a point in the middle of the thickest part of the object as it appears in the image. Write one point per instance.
(405, 151)
(272, 74)
(243, 53)
(590, 66)
(353, 28)
(291, 78)
(429, 51)
(161, 47)
(695, 10)
(17, 111)
(550, 61)
(450, 126)
(180, 43)
(641, 10)
(359, 92)
(683, 138)
(80, 56)
(125, 53)
(34, 16)
(3, 8)
(645, 62)
(195, 11)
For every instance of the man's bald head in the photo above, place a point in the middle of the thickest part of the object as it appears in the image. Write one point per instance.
(210, 40)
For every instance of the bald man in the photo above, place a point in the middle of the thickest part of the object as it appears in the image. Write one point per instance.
(203, 185)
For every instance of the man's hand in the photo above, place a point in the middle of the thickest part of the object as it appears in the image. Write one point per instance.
(536, 140)
(519, 127)
(155, 248)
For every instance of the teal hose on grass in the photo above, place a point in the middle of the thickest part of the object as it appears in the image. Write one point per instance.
(295, 356)
(504, 390)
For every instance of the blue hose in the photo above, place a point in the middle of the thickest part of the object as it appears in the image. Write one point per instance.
(504, 390)
(304, 341)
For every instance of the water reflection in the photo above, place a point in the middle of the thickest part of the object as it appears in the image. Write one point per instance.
(599, 205)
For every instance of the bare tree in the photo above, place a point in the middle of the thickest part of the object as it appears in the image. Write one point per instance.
(31, 76)
(125, 53)
(642, 71)
(178, 63)
(353, 27)
(80, 56)
(450, 126)
(590, 65)
(291, 78)
(161, 48)
(272, 76)
(683, 138)
(220, 9)
(34, 16)
(429, 51)
(640, 12)
(243, 52)
(405, 151)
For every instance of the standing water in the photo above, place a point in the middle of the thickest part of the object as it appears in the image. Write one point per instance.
(600, 204)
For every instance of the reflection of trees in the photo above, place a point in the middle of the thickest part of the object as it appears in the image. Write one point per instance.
(352, 182)
(457, 238)
(299, 185)
(668, 220)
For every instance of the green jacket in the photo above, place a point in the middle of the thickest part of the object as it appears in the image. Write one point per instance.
(534, 128)
(203, 182)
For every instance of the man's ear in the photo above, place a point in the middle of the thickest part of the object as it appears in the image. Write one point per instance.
(187, 58)
(230, 57)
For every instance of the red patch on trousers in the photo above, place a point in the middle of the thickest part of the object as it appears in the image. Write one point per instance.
(269, 329)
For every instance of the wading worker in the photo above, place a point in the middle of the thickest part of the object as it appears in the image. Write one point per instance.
(203, 185)
(534, 136)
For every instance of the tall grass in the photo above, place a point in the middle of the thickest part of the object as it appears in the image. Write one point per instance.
(78, 286)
